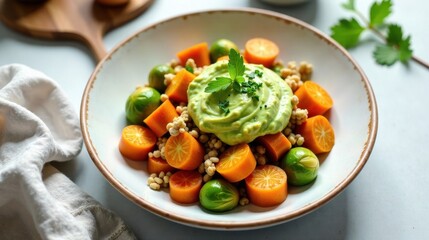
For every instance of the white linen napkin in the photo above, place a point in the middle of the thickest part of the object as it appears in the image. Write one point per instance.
(38, 125)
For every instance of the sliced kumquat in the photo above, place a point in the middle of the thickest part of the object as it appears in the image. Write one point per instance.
(157, 165)
(261, 51)
(136, 142)
(267, 186)
(314, 98)
(185, 186)
(318, 134)
(236, 163)
(184, 152)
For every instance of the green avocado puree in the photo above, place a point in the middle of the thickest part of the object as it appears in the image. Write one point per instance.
(247, 118)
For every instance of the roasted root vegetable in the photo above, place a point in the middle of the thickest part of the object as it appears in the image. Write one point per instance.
(157, 121)
(276, 145)
(177, 89)
(198, 52)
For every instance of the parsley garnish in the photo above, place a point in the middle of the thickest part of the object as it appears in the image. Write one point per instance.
(236, 81)
(236, 71)
(223, 106)
(396, 47)
(189, 69)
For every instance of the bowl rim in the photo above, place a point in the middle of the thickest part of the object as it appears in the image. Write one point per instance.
(225, 225)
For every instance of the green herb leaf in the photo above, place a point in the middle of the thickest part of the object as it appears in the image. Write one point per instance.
(236, 86)
(189, 69)
(219, 84)
(394, 34)
(235, 64)
(379, 11)
(347, 32)
(350, 5)
(385, 55)
(250, 87)
(405, 51)
(223, 106)
(397, 48)
(239, 79)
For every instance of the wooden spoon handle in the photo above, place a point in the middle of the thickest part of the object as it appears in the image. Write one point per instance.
(82, 20)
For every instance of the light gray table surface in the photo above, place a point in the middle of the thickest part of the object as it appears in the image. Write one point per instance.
(389, 199)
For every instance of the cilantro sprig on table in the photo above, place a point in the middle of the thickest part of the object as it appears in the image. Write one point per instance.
(396, 46)
(236, 81)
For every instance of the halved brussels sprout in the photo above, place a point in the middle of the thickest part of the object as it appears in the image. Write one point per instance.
(141, 103)
(218, 195)
(277, 67)
(221, 48)
(156, 76)
(301, 166)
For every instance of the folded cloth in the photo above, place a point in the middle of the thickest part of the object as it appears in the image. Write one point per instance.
(38, 125)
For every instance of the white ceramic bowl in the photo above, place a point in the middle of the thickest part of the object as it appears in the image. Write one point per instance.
(354, 115)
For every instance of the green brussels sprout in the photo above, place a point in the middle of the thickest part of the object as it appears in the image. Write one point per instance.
(218, 195)
(156, 76)
(277, 67)
(221, 48)
(141, 103)
(301, 166)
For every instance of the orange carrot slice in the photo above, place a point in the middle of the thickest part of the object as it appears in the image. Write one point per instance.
(318, 134)
(276, 145)
(136, 142)
(267, 186)
(199, 52)
(184, 152)
(185, 186)
(177, 89)
(314, 98)
(157, 165)
(261, 51)
(157, 121)
(236, 163)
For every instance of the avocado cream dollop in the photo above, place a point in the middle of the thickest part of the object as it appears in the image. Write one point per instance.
(247, 118)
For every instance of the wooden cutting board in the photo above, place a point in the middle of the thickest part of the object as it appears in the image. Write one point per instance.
(82, 20)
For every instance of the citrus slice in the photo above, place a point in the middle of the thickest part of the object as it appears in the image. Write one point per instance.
(318, 134)
(157, 165)
(136, 142)
(314, 98)
(236, 163)
(185, 186)
(267, 186)
(261, 51)
(184, 152)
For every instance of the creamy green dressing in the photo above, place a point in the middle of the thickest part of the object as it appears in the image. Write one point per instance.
(247, 118)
